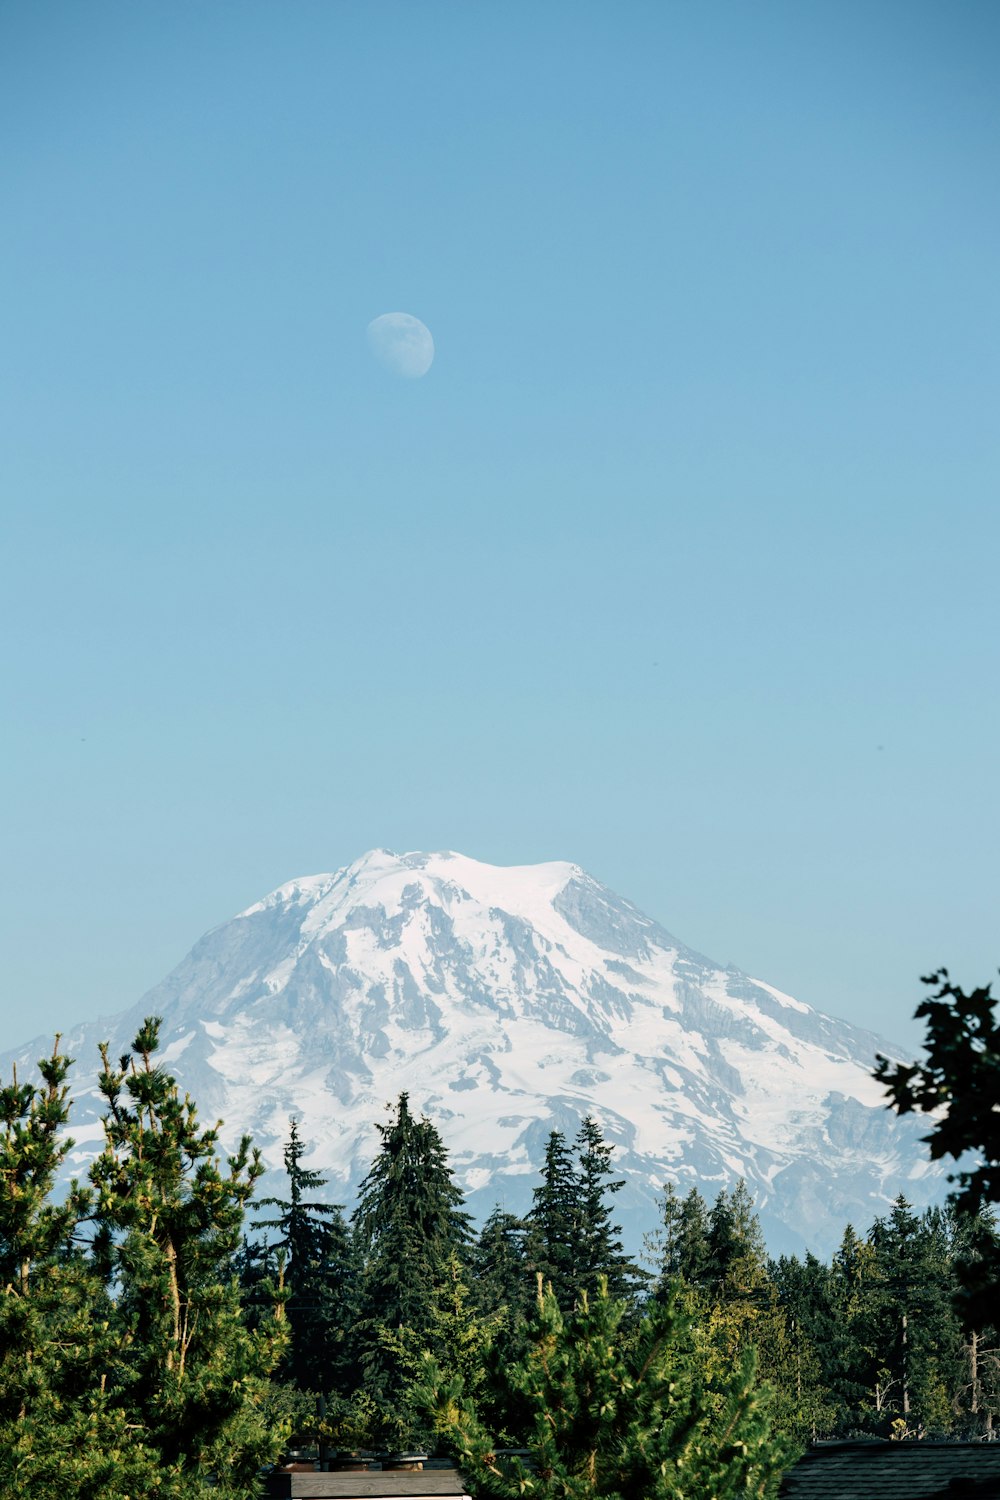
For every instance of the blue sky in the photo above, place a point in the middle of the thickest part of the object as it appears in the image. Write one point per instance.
(680, 562)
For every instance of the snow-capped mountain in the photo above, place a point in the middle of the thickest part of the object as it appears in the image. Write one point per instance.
(508, 1002)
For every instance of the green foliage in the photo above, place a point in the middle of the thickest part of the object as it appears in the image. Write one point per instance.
(186, 1368)
(716, 1258)
(504, 1289)
(499, 1265)
(315, 1253)
(680, 1247)
(456, 1337)
(129, 1369)
(58, 1431)
(960, 1084)
(600, 1255)
(616, 1413)
(412, 1228)
(572, 1241)
(552, 1222)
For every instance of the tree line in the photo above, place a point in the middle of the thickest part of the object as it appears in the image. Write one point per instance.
(163, 1331)
(870, 1343)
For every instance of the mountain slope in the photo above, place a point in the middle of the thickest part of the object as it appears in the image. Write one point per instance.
(509, 1001)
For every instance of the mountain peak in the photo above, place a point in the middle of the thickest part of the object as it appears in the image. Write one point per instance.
(510, 1001)
(381, 876)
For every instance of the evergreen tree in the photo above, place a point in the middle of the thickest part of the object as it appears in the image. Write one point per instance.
(572, 1241)
(58, 1432)
(456, 1336)
(504, 1290)
(599, 1253)
(681, 1245)
(737, 1261)
(916, 1328)
(617, 1415)
(973, 1238)
(860, 1383)
(817, 1340)
(320, 1272)
(743, 1311)
(498, 1262)
(187, 1370)
(410, 1223)
(553, 1223)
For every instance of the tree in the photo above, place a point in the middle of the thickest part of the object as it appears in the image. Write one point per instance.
(736, 1260)
(915, 1329)
(599, 1247)
(457, 1337)
(410, 1223)
(58, 1431)
(315, 1249)
(978, 1395)
(960, 1083)
(498, 1262)
(186, 1369)
(572, 1240)
(816, 1339)
(616, 1414)
(504, 1290)
(681, 1245)
(553, 1222)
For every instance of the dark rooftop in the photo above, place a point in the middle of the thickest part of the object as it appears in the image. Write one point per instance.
(896, 1471)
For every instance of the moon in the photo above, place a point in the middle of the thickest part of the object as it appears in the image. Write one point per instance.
(402, 344)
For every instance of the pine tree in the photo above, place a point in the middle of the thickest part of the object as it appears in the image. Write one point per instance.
(320, 1273)
(188, 1372)
(58, 1431)
(617, 1415)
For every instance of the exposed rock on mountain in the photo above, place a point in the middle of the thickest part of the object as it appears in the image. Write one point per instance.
(509, 1001)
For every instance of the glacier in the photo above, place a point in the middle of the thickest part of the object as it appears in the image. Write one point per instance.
(508, 1002)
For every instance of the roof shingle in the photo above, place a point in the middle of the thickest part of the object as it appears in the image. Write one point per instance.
(875, 1470)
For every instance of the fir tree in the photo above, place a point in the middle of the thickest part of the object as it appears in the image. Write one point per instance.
(320, 1273)
(916, 1328)
(681, 1246)
(499, 1266)
(572, 1241)
(503, 1290)
(974, 1246)
(737, 1261)
(553, 1223)
(410, 1223)
(817, 1340)
(599, 1252)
